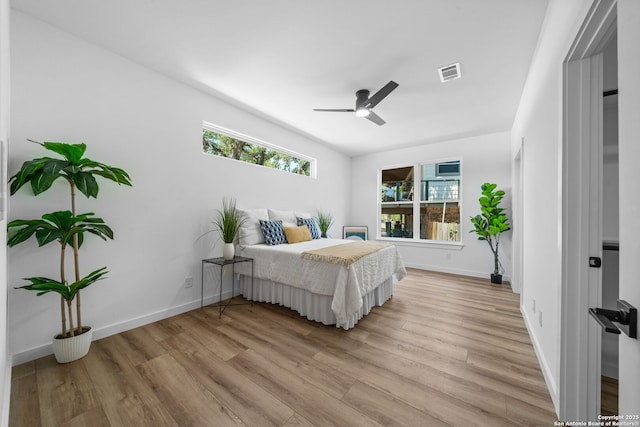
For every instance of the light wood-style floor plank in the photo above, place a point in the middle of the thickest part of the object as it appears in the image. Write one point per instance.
(446, 350)
(609, 396)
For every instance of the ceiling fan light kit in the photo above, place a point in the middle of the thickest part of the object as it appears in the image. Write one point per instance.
(365, 104)
(362, 112)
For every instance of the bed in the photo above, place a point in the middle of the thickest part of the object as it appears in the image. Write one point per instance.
(327, 292)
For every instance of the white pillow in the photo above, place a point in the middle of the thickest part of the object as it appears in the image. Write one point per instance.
(288, 218)
(250, 232)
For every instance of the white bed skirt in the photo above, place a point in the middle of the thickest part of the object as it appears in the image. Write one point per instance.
(312, 306)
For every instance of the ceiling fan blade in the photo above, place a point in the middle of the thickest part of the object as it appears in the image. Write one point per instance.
(381, 94)
(375, 118)
(335, 110)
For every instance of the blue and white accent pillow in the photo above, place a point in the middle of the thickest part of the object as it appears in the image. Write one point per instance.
(312, 225)
(273, 232)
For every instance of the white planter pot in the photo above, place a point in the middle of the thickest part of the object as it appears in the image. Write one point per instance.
(73, 348)
(228, 251)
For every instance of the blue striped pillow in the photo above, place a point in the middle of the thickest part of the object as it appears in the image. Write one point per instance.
(312, 225)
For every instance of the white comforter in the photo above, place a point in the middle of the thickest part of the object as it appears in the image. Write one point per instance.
(283, 264)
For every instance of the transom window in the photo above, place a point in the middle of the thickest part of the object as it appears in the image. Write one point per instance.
(223, 142)
(421, 202)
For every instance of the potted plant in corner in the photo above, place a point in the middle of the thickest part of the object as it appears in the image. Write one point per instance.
(67, 228)
(491, 223)
(227, 221)
(325, 221)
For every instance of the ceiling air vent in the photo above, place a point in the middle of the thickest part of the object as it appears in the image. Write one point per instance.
(449, 72)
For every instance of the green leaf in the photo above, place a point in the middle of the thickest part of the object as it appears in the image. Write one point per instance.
(102, 231)
(25, 173)
(114, 174)
(90, 279)
(17, 236)
(86, 183)
(61, 219)
(42, 172)
(44, 236)
(44, 285)
(72, 152)
(60, 226)
(53, 167)
(41, 182)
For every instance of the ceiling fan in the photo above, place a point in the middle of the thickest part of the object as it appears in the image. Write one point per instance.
(364, 103)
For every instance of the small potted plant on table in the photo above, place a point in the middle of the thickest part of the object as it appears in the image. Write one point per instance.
(325, 221)
(228, 221)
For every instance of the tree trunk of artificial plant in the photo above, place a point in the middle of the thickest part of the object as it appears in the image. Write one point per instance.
(62, 278)
(70, 317)
(75, 258)
(496, 262)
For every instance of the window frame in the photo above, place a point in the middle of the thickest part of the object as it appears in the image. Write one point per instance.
(415, 240)
(313, 163)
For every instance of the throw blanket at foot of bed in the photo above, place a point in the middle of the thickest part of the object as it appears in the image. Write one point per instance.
(344, 255)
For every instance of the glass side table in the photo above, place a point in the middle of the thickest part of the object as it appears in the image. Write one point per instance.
(221, 262)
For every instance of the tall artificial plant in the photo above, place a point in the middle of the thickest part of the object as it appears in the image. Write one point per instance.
(492, 221)
(66, 227)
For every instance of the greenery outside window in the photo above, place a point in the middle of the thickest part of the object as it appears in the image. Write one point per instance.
(223, 142)
(421, 202)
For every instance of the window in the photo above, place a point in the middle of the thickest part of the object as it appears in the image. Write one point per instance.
(421, 202)
(223, 142)
(397, 202)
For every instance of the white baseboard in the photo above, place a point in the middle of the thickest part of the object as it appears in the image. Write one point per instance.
(105, 331)
(544, 366)
(441, 269)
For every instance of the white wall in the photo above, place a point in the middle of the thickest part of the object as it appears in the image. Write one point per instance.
(539, 122)
(5, 365)
(65, 89)
(484, 158)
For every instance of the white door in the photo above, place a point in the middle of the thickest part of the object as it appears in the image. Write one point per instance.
(579, 397)
(629, 163)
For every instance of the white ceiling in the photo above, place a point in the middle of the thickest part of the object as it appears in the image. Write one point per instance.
(282, 58)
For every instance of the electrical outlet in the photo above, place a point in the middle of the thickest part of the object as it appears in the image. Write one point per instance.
(534, 305)
(540, 318)
(188, 282)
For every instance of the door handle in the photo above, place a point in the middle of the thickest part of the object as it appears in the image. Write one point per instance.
(604, 318)
(625, 318)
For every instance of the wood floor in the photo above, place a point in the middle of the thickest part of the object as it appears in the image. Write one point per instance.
(445, 350)
(608, 396)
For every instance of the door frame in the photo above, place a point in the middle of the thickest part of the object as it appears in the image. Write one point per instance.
(518, 220)
(580, 336)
